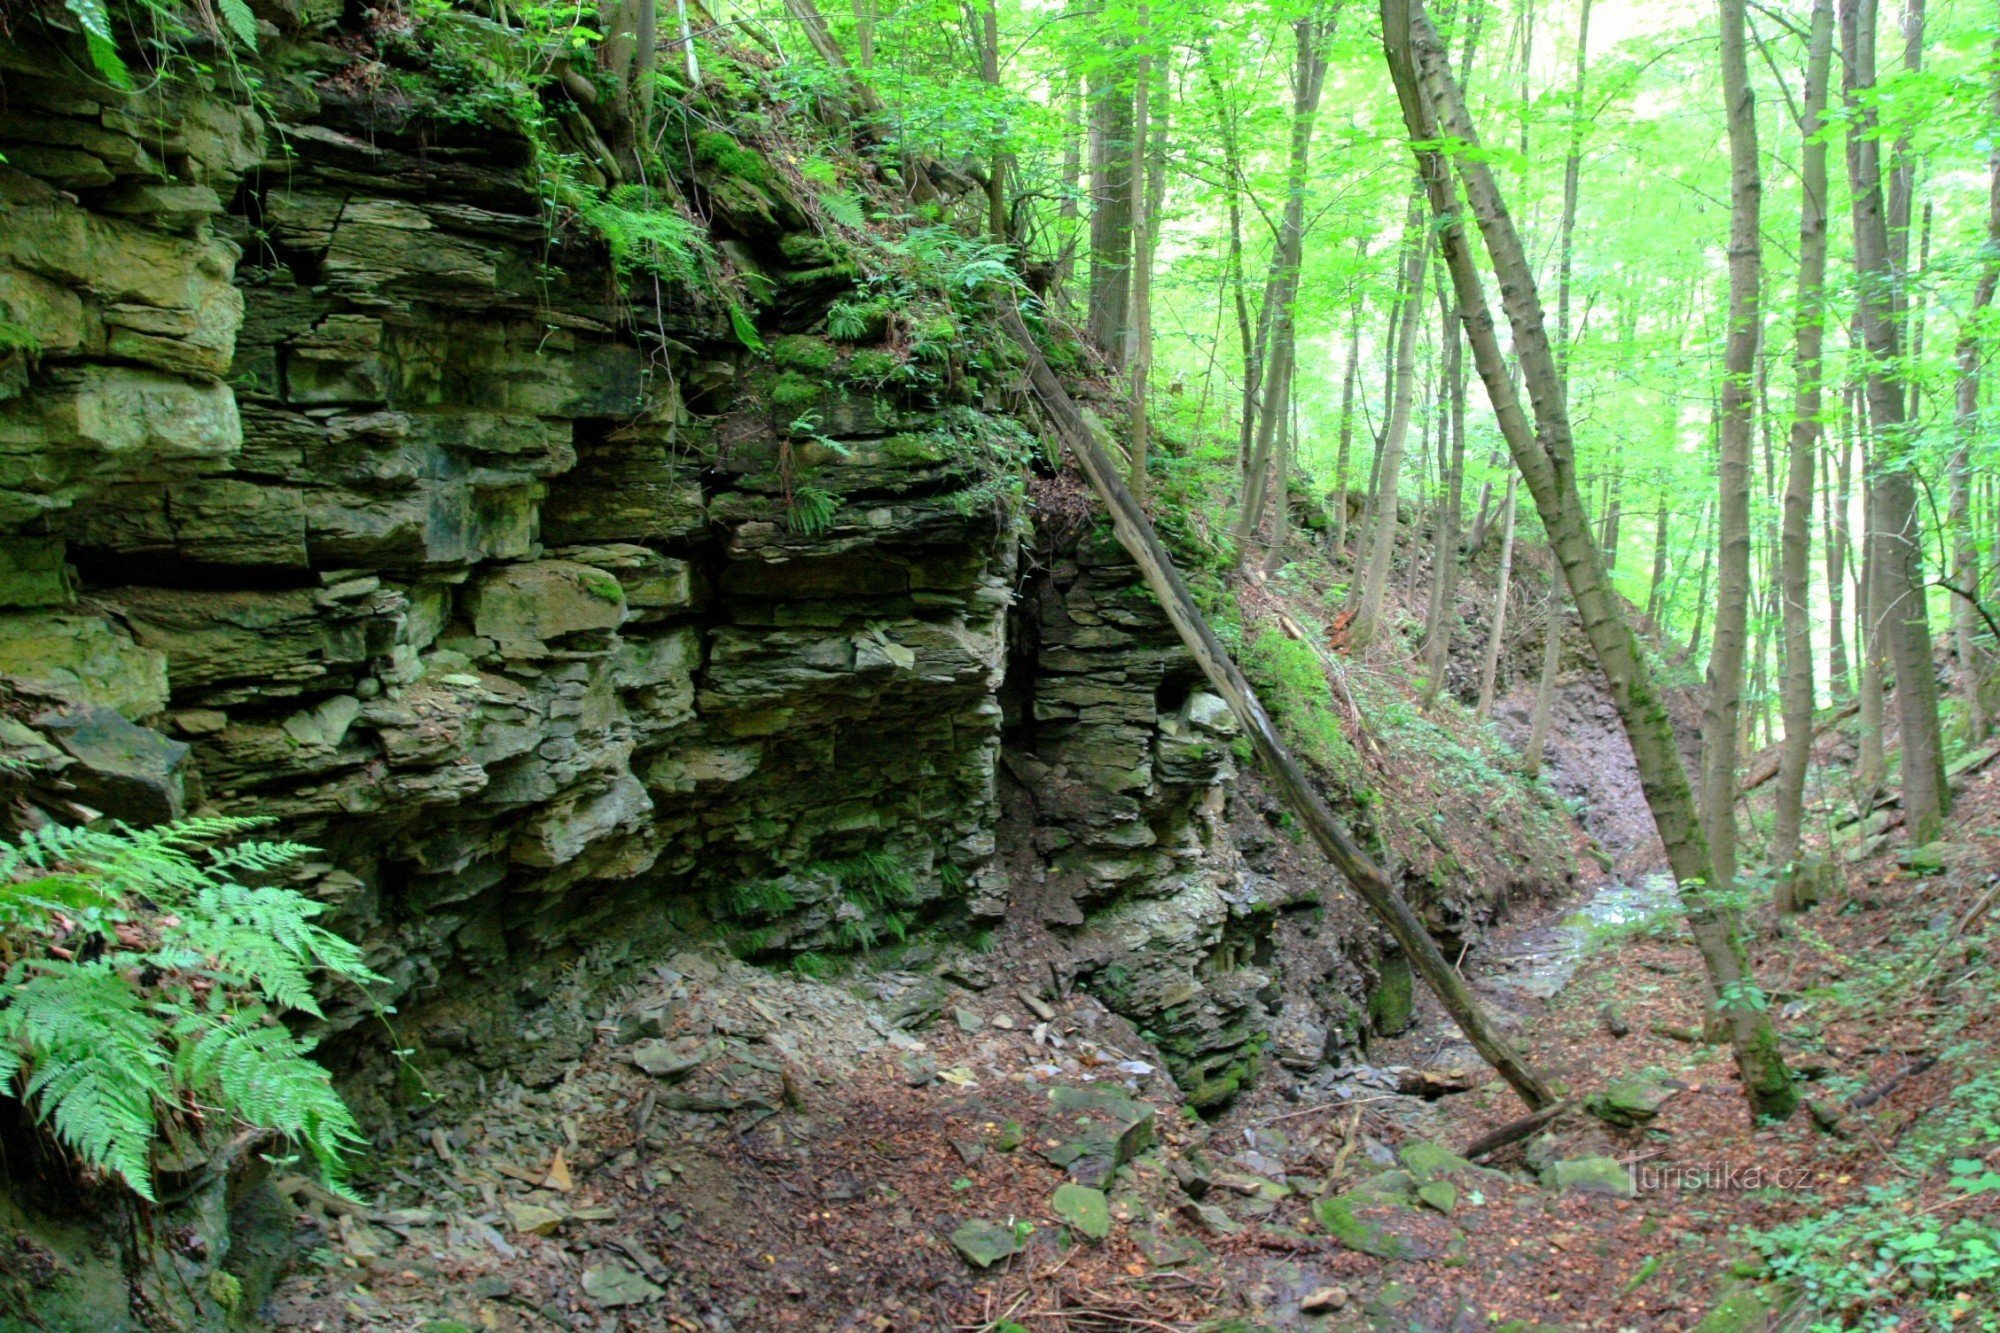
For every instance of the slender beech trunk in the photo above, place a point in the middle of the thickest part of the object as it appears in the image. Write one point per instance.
(1657, 585)
(1871, 764)
(1834, 497)
(1972, 661)
(1110, 207)
(1232, 167)
(1346, 432)
(1070, 208)
(1310, 35)
(1444, 560)
(1545, 685)
(1701, 582)
(989, 74)
(1904, 612)
(1544, 455)
(1374, 888)
(1374, 580)
(1489, 671)
(1721, 715)
(1139, 325)
(1795, 554)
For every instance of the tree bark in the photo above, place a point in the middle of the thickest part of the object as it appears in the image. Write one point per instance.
(1374, 581)
(1139, 353)
(1346, 431)
(1443, 618)
(1489, 671)
(1965, 572)
(989, 74)
(1136, 535)
(1721, 715)
(1545, 458)
(1232, 166)
(1310, 36)
(1899, 579)
(1795, 553)
(1110, 209)
(1834, 499)
(1545, 686)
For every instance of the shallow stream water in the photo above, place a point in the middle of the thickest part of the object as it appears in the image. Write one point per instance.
(1541, 962)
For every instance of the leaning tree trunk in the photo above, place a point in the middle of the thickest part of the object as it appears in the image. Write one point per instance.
(1721, 715)
(1795, 551)
(1136, 535)
(1544, 455)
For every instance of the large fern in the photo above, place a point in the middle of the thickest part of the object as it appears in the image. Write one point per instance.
(173, 1025)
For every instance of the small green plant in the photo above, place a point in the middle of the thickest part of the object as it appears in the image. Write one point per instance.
(810, 511)
(146, 990)
(762, 897)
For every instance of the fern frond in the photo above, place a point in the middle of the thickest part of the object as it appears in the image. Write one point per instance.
(264, 1076)
(98, 1066)
(241, 21)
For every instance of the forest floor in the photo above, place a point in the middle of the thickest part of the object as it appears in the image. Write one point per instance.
(745, 1150)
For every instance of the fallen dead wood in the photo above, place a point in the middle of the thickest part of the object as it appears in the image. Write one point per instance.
(1866, 1098)
(1512, 1132)
(1135, 533)
(1766, 765)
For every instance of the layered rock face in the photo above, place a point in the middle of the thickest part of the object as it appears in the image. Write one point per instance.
(339, 484)
(320, 463)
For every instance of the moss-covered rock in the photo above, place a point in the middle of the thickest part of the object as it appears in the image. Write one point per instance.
(798, 351)
(792, 391)
(1392, 1004)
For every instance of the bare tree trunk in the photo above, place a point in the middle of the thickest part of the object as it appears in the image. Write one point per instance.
(1136, 535)
(1110, 208)
(989, 74)
(1070, 208)
(1701, 583)
(1721, 715)
(1972, 659)
(1443, 617)
(1489, 672)
(1139, 353)
(864, 33)
(1545, 686)
(1374, 580)
(1544, 456)
(1310, 35)
(1346, 431)
(1232, 165)
(1795, 554)
(1657, 586)
(1834, 498)
(1900, 579)
(1871, 763)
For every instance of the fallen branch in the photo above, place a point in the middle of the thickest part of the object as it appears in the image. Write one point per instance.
(1512, 1132)
(1766, 767)
(1135, 533)
(1862, 1100)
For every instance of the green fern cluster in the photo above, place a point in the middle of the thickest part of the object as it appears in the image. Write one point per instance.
(160, 1018)
(96, 19)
